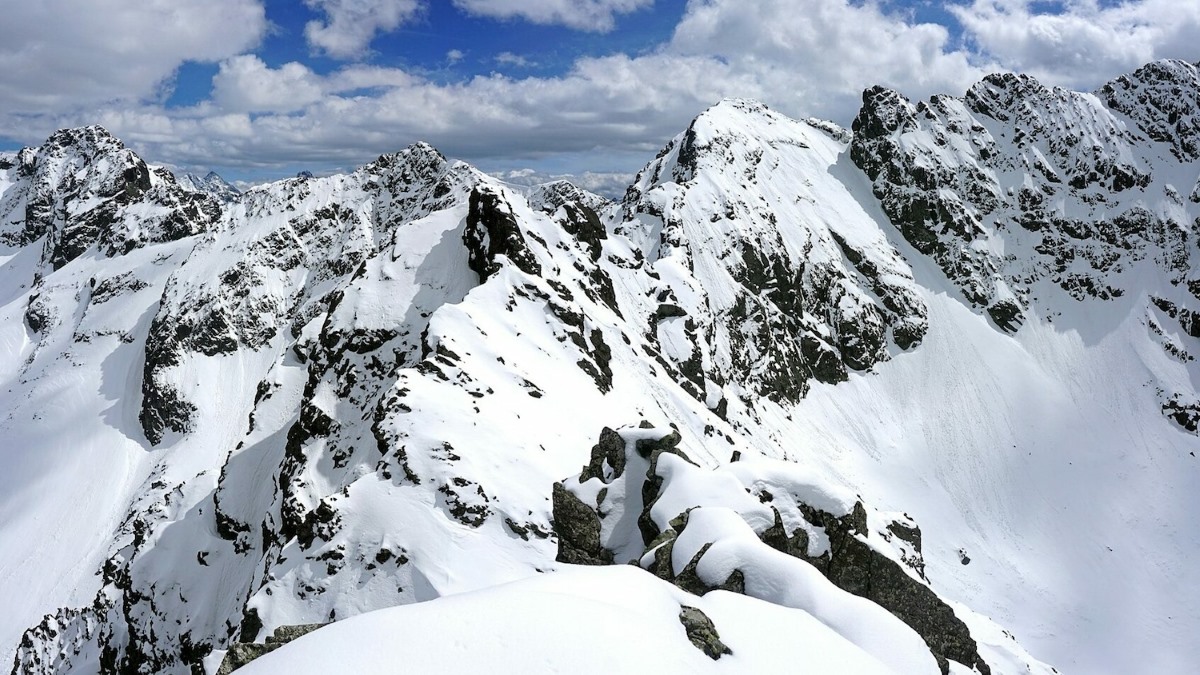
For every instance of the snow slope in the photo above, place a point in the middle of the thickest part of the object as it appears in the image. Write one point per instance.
(332, 396)
(581, 620)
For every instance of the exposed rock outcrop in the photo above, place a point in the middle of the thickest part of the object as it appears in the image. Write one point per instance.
(241, 653)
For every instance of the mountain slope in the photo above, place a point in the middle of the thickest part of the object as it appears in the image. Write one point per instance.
(1066, 216)
(336, 395)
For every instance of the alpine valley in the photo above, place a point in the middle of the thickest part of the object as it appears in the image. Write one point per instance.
(916, 396)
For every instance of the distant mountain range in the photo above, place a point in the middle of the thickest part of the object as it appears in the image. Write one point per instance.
(211, 184)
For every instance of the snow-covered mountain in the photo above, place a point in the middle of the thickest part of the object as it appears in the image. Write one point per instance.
(211, 183)
(917, 396)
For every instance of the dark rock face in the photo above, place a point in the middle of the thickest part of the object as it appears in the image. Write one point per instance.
(163, 407)
(608, 452)
(1186, 414)
(583, 223)
(578, 528)
(39, 315)
(492, 230)
(241, 653)
(857, 568)
(575, 210)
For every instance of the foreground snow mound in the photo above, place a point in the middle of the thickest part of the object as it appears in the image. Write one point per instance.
(767, 529)
(577, 620)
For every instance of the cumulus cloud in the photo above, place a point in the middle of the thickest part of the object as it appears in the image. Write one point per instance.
(802, 57)
(816, 56)
(57, 54)
(246, 84)
(262, 116)
(1074, 47)
(511, 59)
(350, 25)
(586, 15)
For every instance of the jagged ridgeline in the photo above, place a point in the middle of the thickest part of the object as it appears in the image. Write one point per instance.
(325, 396)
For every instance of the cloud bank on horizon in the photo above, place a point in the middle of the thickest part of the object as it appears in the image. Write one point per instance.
(256, 88)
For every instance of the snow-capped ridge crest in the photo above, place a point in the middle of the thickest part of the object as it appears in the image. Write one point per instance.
(751, 106)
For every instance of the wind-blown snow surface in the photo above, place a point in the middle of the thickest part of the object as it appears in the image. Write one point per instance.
(331, 396)
(583, 620)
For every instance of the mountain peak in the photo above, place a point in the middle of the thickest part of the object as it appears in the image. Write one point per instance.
(211, 184)
(555, 194)
(92, 136)
(1163, 100)
(419, 156)
(76, 189)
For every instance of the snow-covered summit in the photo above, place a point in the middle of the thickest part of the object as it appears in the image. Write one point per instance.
(211, 183)
(84, 187)
(552, 195)
(1163, 100)
(768, 255)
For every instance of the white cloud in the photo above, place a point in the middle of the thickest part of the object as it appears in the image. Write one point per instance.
(57, 54)
(603, 106)
(802, 57)
(454, 56)
(511, 59)
(1086, 41)
(350, 25)
(816, 57)
(586, 15)
(246, 84)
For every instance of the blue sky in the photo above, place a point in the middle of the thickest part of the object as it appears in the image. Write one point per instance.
(425, 44)
(258, 89)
